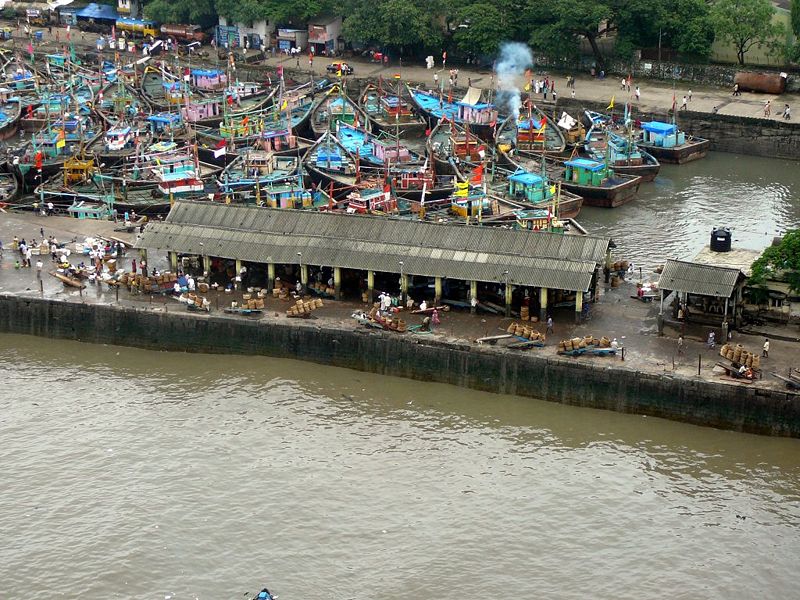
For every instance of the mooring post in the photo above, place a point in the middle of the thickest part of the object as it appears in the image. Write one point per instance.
(699, 363)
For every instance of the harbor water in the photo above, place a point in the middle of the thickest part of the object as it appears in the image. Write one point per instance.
(136, 474)
(758, 198)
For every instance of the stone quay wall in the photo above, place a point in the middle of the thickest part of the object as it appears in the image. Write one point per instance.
(770, 138)
(602, 384)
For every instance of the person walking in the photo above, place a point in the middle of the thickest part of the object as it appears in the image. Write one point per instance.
(684, 104)
(680, 345)
(690, 95)
(711, 341)
(736, 91)
(765, 352)
(638, 93)
(549, 324)
(767, 108)
(787, 112)
(435, 318)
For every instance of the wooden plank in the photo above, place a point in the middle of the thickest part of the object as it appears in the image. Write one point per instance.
(494, 338)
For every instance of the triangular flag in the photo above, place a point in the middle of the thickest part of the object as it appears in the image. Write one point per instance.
(611, 104)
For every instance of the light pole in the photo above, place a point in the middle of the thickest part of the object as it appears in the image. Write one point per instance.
(508, 294)
(402, 284)
(300, 260)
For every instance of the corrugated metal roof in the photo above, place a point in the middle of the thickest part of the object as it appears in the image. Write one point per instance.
(695, 278)
(400, 231)
(376, 244)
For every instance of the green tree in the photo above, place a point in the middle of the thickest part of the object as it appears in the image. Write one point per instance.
(795, 12)
(745, 23)
(780, 262)
(198, 12)
(398, 24)
(481, 29)
(561, 24)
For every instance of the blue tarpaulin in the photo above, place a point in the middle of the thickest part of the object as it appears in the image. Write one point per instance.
(102, 12)
(659, 127)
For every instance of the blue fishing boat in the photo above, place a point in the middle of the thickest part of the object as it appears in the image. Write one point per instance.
(605, 137)
(376, 150)
(481, 117)
(667, 143)
(389, 111)
(254, 169)
(10, 112)
(336, 107)
(598, 184)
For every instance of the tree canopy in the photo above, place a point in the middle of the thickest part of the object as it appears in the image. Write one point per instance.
(744, 23)
(780, 262)
(396, 24)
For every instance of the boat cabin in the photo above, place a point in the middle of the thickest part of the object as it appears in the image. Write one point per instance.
(277, 140)
(371, 201)
(209, 79)
(622, 151)
(480, 114)
(387, 152)
(663, 135)
(531, 134)
(332, 159)
(466, 146)
(473, 204)
(197, 110)
(538, 219)
(174, 93)
(529, 187)
(82, 210)
(286, 196)
(341, 110)
(392, 107)
(586, 172)
(164, 122)
(119, 138)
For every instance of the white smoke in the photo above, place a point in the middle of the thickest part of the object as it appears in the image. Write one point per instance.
(514, 59)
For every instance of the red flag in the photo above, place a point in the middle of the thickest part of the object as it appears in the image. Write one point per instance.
(427, 133)
(30, 48)
(39, 160)
(220, 144)
(477, 175)
(387, 188)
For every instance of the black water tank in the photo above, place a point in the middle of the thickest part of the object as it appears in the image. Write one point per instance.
(721, 239)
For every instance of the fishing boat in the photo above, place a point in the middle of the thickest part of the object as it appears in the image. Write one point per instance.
(9, 188)
(598, 184)
(670, 145)
(377, 151)
(208, 80)
(572, 129)
(481, 117)
(388, 111)
(531, 191)
(10, 112)
(257, 169)
(335, 107)
(331, 165)
(455, 150)
(372, 201)
(618, 142)
(421, 183)
(45, 153)
(531, 133)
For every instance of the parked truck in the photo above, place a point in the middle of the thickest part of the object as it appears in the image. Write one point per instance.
(184, 33)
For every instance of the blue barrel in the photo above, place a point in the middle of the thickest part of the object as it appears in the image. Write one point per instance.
(39, 35)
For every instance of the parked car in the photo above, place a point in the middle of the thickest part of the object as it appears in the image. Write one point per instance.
(340, 66)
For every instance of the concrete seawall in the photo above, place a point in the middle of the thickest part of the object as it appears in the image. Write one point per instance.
(770, 138)
(598, 385)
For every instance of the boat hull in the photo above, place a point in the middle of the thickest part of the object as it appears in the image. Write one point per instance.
(693, 149)
(647, 171)
(610, 196)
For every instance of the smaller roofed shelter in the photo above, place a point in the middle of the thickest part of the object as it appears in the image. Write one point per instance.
(706, 293)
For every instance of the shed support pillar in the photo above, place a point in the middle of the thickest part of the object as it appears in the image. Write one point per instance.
(437, 285)
(143, 254)
(337, 282)
(403, 289)
(473, 296)
(270, 276)
(371, 286)
(509, 296)
(173, 261)
(578, 306)
(304, 275)
(542, 304)
(207, 266)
